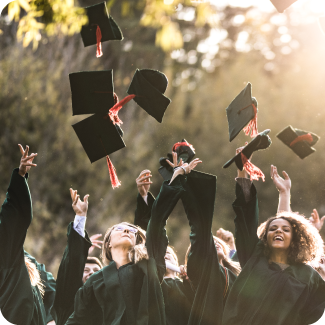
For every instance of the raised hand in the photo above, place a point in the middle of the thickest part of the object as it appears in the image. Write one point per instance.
(282, 184)
(227, 237)
(143, 182)
(26, 162)
(242, 173)
(316, 221)
(79, 207)
(174, 163)
(184, 168)
(95, 243)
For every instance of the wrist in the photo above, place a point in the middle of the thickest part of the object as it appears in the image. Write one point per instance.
(21, 173)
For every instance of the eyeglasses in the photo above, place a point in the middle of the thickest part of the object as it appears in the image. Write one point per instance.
(130, 229)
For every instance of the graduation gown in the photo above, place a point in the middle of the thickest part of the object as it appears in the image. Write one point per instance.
(20, 302)
(211, 280)
(178, 295)
(70, 274)
(264, 293)
(131, 294)
(49, 286)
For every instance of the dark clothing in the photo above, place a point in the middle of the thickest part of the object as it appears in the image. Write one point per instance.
(70, 274)
(49, 286)
(211, 280)
(143, 211)
(264, 293)
(20, 302)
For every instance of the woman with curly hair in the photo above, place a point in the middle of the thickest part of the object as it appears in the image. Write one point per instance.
(277, 285)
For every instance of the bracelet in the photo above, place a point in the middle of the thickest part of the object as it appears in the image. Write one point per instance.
(183, 169)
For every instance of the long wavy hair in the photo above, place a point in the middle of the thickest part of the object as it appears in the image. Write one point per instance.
(306, 245)
(136, 253)
(231, 265)
(34, 275)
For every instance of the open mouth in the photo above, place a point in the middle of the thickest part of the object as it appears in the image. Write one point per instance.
(278, 238)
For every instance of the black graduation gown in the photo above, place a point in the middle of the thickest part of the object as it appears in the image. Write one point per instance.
(130, 295)
(49, 286)
(263, 293)
(20, 302)
(70, 274)
(178, 295)
(211, 280)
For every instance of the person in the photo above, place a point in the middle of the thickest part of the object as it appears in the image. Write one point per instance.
(127, 290)
(228, 238)
(76, 266)
(21, 288)
(209, 267)
(178, 294)
(276, 285)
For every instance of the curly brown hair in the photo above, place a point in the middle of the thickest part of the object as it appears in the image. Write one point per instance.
(137, 253)
(306, 245)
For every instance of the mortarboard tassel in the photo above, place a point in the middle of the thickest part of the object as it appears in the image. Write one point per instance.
(179, 144)
(254, 172)
(113, 112)
(112, 173)
(305, 137)
(252, 125)
(99, 51)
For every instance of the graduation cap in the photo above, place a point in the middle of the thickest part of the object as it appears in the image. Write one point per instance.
(321, 23)
(149, 87)
(299, 141)
(260, 142)
(101, 27)
(282, 5)
(242, 111)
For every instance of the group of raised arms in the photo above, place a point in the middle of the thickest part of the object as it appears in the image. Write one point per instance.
(265, 274)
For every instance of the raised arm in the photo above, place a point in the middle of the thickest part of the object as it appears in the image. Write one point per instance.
(246, 219)
(145, 200)
(16, 212)
(71, 269)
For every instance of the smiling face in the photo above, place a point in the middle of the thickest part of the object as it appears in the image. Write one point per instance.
(89, 269)
(279, 235)
(170, 256)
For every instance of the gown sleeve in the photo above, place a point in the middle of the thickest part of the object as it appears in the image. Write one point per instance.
(142, 213)
(15, 218)
(49, 287)
(246, 223)
(70, 274)
(157, 240)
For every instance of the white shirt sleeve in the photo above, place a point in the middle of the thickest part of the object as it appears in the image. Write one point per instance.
(145, 199)
(79, 224)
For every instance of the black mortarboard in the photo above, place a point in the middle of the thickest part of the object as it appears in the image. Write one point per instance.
(321, 23)
(260, 142)
(241, 111)
(282, 5)
(98, 136)
(99, 16)
(299, 141)
(149, 87)
(92, 92)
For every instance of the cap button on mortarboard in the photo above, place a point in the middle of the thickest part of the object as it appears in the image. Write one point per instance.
(101, 27)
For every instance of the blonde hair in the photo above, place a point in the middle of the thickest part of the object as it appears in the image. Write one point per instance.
(231, 265)
(306, 245)
(34, 275)
(136, 253)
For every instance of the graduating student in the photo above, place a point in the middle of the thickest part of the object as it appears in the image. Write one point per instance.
(276, 285)
(76, 267)
(209, 267)
(178, 294)
(21, 288)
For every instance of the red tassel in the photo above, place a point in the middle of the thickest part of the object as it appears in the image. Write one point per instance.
(178, 144)
(305, 137)
(113, 112)
(254, 172)
(99, 51)
(252, 125)
(112, 173)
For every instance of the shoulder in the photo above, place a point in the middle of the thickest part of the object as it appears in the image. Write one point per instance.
(306, 274)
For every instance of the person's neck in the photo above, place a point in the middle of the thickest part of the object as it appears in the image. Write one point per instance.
(170, 275)
(120, 256)
(279, 257)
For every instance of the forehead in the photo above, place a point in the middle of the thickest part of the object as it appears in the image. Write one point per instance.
(92, 266)
(280, 223)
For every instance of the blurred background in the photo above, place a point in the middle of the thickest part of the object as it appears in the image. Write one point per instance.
(209, 50)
